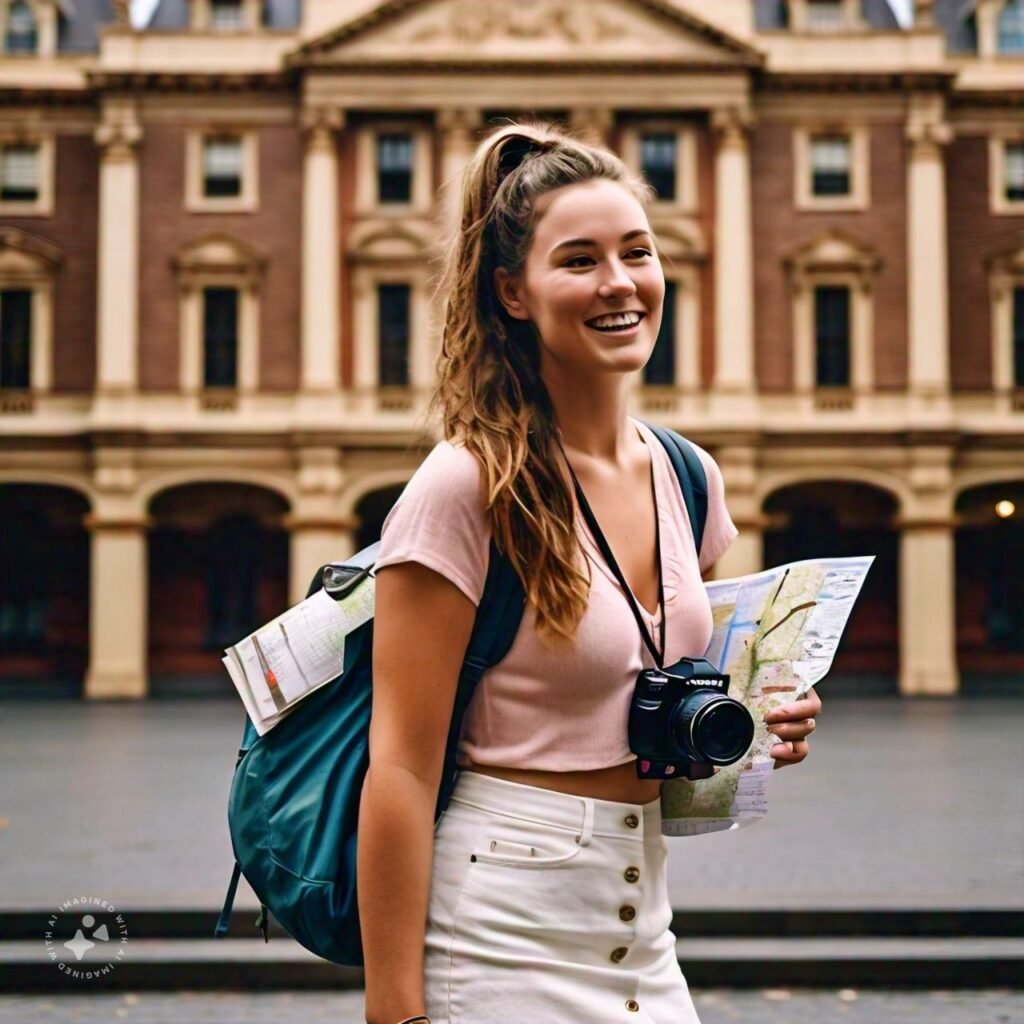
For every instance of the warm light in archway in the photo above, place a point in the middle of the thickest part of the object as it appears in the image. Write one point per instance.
(1005, 509)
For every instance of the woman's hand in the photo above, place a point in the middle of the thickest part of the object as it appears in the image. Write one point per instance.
(792, 724)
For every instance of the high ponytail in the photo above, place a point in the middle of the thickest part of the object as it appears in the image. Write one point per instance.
(490, 391)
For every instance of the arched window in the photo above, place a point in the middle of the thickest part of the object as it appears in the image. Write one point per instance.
(1010, 28)
(21, 29)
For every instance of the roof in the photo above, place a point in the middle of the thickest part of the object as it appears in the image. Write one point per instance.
(173, 14)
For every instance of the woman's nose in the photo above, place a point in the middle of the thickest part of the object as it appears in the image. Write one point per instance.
(617, 283)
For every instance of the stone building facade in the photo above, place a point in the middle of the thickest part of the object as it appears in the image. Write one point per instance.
(218, 235)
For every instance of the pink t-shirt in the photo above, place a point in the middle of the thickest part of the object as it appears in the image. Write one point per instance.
(567, 709)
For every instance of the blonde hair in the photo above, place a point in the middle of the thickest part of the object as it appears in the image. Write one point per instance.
(490, 391)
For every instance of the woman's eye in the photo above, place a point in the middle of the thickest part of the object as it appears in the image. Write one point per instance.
(633, 253)
(574, 261)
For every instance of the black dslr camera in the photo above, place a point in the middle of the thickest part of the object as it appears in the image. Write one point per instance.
(681, 721)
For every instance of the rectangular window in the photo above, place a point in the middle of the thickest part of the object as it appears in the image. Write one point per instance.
(1010, 29)
(394, 168)
(658, 163)
(15, 337)
(21, 28)
(830, 165)
(824, 15)
(1013, 163)
(222, 165)
(1018, 337)
(393, 307)
(19, 174)
(220, 337)
(832, 336)
(661, 367)
(227, 15)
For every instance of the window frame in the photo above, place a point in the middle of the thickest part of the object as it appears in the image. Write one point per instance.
(687, 200)
(195, 199)
(42, 205)
(201, 17)
(859, 196)
(1006, 275)
(997, 145)
(30, 264)
(998, 35)
(421, 193)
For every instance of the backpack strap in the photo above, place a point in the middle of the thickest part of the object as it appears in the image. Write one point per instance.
(693, 480)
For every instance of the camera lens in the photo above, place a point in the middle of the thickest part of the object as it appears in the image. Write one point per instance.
(712, 728)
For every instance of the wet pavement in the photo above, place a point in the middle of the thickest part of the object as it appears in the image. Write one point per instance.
(717, 1006)
(912, 804)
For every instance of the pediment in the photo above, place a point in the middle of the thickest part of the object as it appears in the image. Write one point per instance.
(25, 257)
(556, 32)
(219, 252)
(680, 241)
(387, 240)
(834, 250)
(1008, 259)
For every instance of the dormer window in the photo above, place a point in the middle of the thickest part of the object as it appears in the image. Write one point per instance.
(1010, 27)
(21, 34)
(19, 174)
(227, 15)
(394, 168)
(825, 15)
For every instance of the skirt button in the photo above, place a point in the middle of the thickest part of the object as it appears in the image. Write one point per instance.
(627, 913)
(619, 954)
(631, 874)
(632, 820)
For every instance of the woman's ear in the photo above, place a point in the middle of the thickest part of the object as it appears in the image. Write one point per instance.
(508, 289)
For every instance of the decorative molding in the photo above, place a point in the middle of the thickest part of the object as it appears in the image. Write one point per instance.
(731, 126)
(552, 30)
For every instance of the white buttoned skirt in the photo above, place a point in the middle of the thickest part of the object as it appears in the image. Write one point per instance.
(550, 909)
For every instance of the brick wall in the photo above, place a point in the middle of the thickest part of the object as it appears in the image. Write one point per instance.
(72, 228)
(275, 228)
(779, 228)
(973, 232)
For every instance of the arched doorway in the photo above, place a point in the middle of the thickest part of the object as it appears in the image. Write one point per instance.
(844, 518)
(990, 588)
(371, 510)
(218, 569)
(44, 590)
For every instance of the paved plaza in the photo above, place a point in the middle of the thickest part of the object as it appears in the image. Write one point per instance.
(912, 804)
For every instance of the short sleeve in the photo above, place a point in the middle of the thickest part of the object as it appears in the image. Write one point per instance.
(719, 530)
(440, 521)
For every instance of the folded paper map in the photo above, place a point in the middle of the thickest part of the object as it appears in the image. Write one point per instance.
(775, 635)
(296, 653)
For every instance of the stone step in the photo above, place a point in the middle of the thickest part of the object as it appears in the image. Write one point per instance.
(252, 965)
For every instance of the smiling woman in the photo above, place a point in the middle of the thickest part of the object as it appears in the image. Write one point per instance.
(543, 886)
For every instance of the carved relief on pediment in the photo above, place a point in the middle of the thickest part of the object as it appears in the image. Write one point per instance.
(531, 30)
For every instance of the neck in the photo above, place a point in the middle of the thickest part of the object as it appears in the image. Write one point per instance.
(591, 413)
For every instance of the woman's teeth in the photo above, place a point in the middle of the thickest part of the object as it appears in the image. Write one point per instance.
(615, 322)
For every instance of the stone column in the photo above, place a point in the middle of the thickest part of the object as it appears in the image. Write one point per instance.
(321, 253)
(318, 533)
(592, 124)
(117, 608)
(734, 254)
(928, 281)
(117, 329)
(458, 130)
(927, 585)
(738, 464)
(928, 661)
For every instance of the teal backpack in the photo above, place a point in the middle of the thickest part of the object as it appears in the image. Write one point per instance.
(293, 808)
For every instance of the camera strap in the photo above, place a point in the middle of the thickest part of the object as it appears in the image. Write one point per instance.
(606, 551)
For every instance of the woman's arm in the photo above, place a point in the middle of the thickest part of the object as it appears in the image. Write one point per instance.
(422, 624)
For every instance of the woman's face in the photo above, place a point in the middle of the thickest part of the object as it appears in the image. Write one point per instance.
(592, 283)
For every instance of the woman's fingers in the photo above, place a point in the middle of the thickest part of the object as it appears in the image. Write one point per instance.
(789, 753)
(807, 707)
(793, 730)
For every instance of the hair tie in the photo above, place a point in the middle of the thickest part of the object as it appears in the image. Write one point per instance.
(516, 150)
